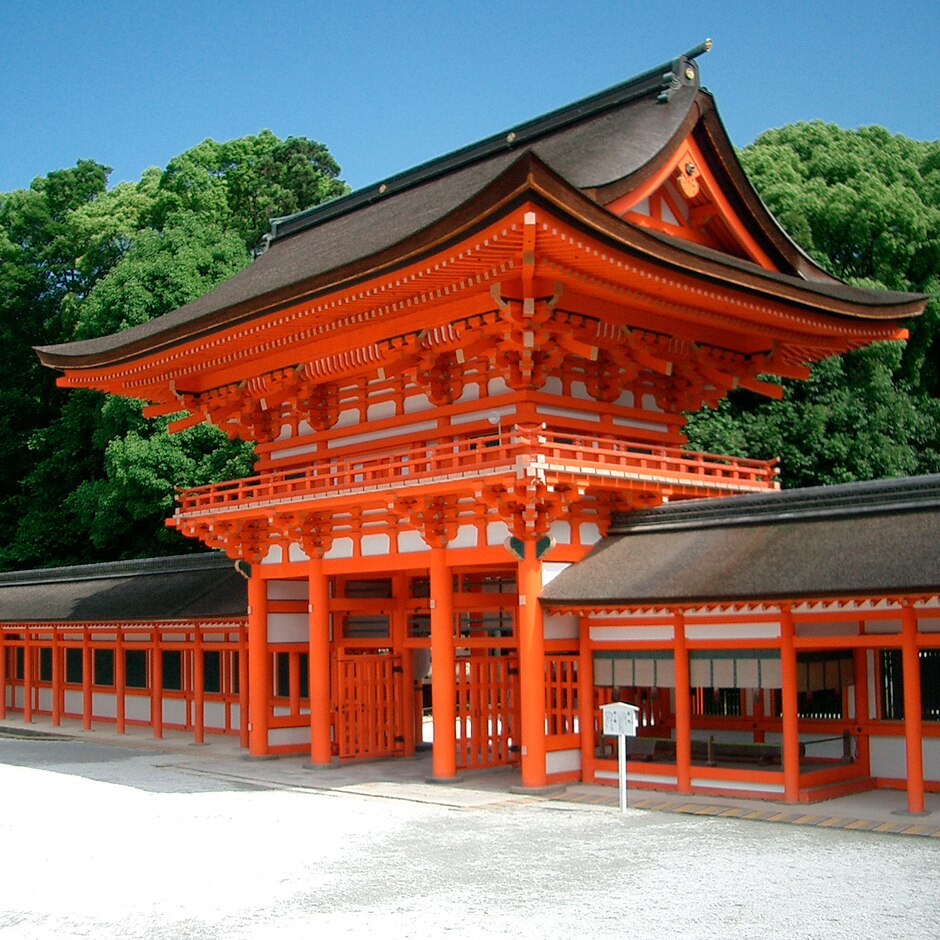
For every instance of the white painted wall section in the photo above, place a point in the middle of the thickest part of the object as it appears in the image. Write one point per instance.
(558, 762)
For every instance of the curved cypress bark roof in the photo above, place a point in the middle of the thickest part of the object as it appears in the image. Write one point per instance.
(608, 143)
(869, 539)
(173, 588)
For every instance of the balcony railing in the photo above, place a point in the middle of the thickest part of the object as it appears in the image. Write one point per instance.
(597, 461)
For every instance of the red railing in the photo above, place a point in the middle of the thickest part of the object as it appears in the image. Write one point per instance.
(522, 453)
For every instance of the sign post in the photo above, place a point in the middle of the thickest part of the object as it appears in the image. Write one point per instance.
(620, 721)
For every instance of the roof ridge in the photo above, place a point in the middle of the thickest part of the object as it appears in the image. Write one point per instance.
(868, 497)
(112, 569)
(663, 79)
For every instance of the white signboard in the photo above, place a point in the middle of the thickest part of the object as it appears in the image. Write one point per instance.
(620, 718)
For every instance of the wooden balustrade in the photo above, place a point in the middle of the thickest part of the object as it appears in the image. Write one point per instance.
(518, 451)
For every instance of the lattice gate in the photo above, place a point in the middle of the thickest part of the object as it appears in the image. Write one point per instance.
(487, 711)
(369, 714)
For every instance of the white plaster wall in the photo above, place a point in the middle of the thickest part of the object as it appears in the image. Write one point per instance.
(589, 533)
(889, 758)
(557, 762)
(72, 702)
(288, 628)
(654, 779)
(341, 548)
(104, 704)
(568, 413)
(380, 410)
(278, 736)
(372, 545)
(411, 541)
(560, 627)
(137, 708)
(370, 436)
(174, 711)
(213, 714)
(551, 570)
(822, 628)
(561, 532)
(295, 451)
(738, 785)
(636, 634)
(45, 699)
(288, 590)
(496, 533)
(415, 403)
(883, 626)
(466, 537)
(731, 631)
(505, 411)
(932, 759)
(347, 418)
(641, 425)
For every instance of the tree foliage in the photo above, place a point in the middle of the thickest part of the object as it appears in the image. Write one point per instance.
(866, 206)
(87, 478)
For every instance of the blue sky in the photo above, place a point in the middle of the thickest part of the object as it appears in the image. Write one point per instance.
(387, 86)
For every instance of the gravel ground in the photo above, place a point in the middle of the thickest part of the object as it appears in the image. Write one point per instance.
(101, 841)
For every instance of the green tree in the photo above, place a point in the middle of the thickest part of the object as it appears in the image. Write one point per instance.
(44, 265)
(244, 183)
(87, 477)
(866, 206)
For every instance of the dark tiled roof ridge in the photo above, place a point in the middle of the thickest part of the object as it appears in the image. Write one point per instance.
(116, 569)
(897, 494)
(659, 80)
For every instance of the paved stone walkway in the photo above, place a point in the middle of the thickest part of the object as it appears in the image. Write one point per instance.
(812, 818)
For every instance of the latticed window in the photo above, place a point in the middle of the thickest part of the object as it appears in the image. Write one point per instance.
(892, 685)
(724, 702)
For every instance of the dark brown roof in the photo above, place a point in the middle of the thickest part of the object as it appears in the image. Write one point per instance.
(617, 135)
(855, 539)
(174, 588)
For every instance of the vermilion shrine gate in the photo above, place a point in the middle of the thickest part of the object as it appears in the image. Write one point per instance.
(456, 379)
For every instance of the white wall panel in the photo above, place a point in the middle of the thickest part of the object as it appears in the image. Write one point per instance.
(561, 627)
(174, 711)
(137, 708)
(277, 736)
(288, 628)
(888, 757)
(104, 705)
(557, 762)
(288, 590)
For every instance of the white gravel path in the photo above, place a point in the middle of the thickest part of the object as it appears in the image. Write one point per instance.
(160, 852)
